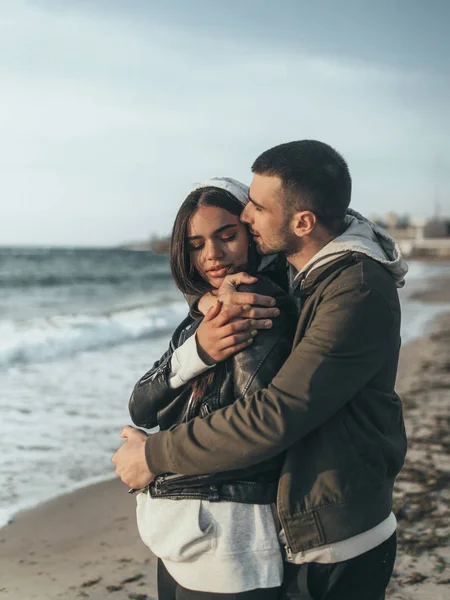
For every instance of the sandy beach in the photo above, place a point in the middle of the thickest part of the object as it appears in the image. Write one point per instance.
(81, 545)
(86, 545)
(422, 497)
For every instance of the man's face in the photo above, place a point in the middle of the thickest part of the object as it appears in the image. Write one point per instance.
(265, 215)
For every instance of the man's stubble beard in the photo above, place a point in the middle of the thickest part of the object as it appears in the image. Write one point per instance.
(284, 242)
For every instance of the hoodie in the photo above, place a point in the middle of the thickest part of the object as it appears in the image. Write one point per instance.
(332, 407)
(362, 236)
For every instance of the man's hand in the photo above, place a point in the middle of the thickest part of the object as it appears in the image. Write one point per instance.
(232, 322)
(129, 459)
(248, 305)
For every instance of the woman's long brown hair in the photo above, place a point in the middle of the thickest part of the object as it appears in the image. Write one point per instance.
(186, 277)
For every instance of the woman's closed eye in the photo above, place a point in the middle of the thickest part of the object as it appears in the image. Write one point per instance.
(230, 238)
(193, 246)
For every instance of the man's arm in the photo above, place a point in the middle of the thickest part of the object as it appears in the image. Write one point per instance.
(342, 350)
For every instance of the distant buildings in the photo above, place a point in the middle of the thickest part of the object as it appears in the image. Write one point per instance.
(418, 236)
(160, 245)
(437, 228)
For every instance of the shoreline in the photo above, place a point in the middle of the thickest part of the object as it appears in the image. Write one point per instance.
(421, 499)
(85, 543)
(82, 544)
(438, 298)
(29, 506)
(16, 497)
(437, 292)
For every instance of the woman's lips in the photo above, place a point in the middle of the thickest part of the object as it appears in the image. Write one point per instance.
(218, 273)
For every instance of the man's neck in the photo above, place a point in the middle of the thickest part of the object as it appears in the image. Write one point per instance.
(309, 250)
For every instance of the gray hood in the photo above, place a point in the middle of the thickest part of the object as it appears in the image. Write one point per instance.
(361, 235)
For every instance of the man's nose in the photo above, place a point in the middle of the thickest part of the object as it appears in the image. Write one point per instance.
(245, 214)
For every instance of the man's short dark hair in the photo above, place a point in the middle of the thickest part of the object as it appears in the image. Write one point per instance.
(315, 177)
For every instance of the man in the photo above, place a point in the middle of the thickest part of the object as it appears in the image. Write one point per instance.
(332, 408)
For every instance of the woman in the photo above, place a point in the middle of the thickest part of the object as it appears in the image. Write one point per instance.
(215, 535)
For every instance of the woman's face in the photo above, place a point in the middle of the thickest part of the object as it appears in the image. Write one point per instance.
(217, 240)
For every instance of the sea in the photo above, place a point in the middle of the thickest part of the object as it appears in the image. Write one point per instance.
(78, 327)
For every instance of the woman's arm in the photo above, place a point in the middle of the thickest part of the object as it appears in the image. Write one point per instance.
(152, 392)
(256, 366)
(164, 382)
(157, 388)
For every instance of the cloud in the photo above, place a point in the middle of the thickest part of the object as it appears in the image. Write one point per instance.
(105, 122)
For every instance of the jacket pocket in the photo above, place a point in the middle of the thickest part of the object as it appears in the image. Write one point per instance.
(175, 530)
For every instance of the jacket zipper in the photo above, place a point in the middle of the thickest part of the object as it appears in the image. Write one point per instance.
(162, 479)
(287, 549)
(189, 407)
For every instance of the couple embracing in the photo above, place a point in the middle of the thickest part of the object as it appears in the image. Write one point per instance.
(280, 430)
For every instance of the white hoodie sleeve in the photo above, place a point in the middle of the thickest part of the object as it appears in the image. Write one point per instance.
(186, 363)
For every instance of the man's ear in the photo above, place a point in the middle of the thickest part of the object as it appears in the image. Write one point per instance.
(304, 223)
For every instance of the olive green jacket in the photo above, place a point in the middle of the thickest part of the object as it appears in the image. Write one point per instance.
(332, 408)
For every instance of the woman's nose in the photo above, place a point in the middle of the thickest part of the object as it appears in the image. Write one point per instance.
(213, 250)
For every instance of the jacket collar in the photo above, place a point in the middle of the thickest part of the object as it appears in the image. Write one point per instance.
(304, 282)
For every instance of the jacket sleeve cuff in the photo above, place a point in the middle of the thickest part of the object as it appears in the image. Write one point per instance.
(186, 364)
(156, 455)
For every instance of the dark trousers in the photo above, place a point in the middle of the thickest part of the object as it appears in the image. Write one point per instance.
(362, 578)
(169, 589)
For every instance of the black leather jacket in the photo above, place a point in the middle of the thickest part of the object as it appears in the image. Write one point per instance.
(154, 403)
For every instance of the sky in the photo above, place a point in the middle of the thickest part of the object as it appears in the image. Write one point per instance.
(111, 109)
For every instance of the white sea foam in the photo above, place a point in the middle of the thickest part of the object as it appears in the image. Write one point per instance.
(61, 420)
(44, 339)
(64, 405)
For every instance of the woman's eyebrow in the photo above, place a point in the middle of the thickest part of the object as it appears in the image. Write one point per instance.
(223, 228)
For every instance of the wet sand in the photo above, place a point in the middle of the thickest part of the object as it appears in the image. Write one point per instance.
(422, 493)
(86, 545)
(81, 545)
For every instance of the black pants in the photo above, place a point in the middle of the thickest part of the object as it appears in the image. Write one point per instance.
(169, 589)
(362, 578)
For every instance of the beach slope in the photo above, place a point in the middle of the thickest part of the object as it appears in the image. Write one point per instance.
(86, 545)
(80, 545)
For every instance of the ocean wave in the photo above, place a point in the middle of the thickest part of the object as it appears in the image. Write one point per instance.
(42, 280)
(45, 339)
(43, 267)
